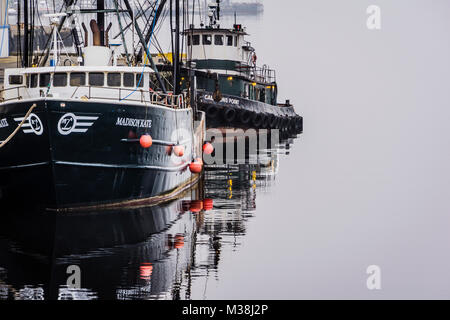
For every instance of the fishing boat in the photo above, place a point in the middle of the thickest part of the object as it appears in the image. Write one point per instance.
(88, 130)
(232, 89)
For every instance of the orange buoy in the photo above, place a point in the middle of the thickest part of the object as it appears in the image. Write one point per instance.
(208, 204)
(146, 141)
(196, 166)
(208, 148)
(146, 271)
(179, 151)
(179, 241)
(196, 206)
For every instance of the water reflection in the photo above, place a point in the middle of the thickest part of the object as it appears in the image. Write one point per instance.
(141, 253)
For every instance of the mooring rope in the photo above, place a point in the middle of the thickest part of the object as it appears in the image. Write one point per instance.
(19, 126)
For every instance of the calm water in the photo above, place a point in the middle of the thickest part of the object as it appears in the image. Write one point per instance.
(173, 251)
(368, 183)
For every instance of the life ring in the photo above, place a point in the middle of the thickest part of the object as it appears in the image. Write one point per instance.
(212, 111)
(245, 116)
(265, 121)
(257, 120)
(273, 121)
(229, 114)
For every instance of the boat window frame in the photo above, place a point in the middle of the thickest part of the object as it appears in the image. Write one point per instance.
(220, 38)
(32, 81)
(230, 37)
(77, 73)
(108, 79)
(205, 36)
(15, 76)
(138, 76)
(196, 40)
(132, 77)
(57, 83)
(94, 73)
(41, 76)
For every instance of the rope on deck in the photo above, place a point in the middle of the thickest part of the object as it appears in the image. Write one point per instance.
(19, 126)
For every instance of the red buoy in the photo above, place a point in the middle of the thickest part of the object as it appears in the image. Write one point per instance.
(146, 141)
(208, 148)
(208, 204)
(179, 151)
(146, 271)
(196, 206)
(179, 241)
(196, 166)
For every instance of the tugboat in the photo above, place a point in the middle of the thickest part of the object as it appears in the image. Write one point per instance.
(232, 89)
(93, 134)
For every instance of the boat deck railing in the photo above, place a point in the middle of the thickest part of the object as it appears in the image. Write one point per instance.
(102, 93)
(259, 74)
(16, 97)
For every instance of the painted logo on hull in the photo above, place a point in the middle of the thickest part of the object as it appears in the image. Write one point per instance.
(72, 123)
(3, 123)
(32, 125)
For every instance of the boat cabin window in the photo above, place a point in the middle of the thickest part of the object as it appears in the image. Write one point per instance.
(77, 79)
(207, 39)
(218, 40)
(33, 80)
(60, 79)
(96, 79)
(230, 41)
(128, 80)
(15, 79)
(235, 41)
(114, 79)
(139, 80)
(44, 80)
(196, 39)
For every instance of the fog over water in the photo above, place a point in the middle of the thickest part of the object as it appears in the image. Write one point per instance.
(368, 182)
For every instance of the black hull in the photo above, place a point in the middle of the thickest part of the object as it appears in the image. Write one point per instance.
(99, 161)
(236, 112)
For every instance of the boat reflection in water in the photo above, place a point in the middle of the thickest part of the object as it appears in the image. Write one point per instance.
(138, 253)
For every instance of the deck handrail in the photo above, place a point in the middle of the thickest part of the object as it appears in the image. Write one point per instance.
(18, 97)
(154, 97)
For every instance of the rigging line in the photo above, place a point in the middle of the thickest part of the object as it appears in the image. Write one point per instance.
(146, 23)
(19, 36)
(145, 62)
(129, 24)
(4, 25)
(122, 32)
(172, 49)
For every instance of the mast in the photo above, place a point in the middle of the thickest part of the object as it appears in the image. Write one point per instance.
(25, 34)
(101, 20)
(176, 56)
